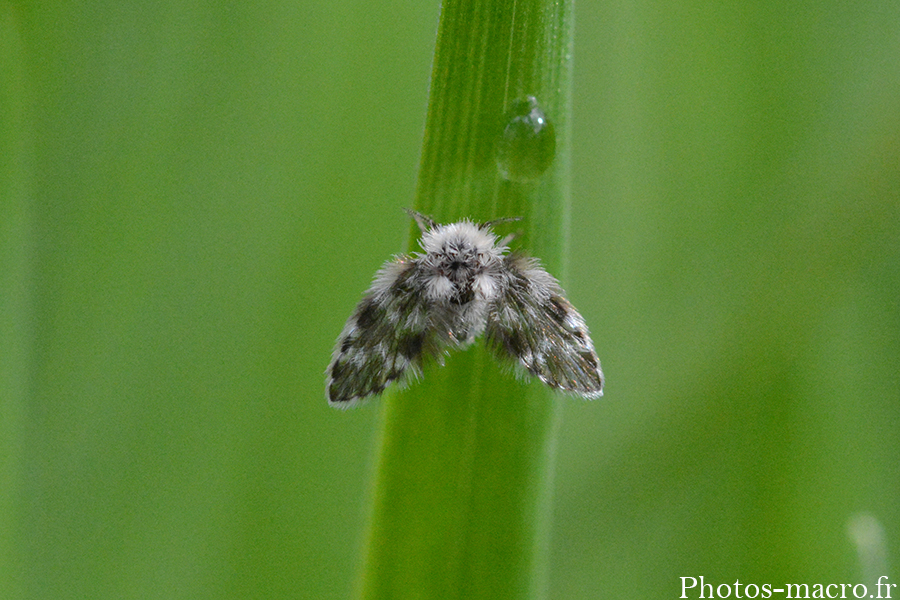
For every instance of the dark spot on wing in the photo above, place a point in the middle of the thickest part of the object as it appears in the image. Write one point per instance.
(337, 370)
(558, 309)
(516, 343)
(590, 358)
(368, 313)
(335, 395)
(410, 344)
(510, 343)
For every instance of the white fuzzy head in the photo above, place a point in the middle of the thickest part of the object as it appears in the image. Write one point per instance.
(461, 259)
(463, 239)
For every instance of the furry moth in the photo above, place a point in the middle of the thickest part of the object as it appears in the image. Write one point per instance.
(463, 285)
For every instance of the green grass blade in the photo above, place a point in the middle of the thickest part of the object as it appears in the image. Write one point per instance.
(14, 298)
(464, 476)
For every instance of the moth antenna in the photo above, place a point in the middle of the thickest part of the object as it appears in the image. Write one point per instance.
(509, 237)
(501, 220)
(424, 222)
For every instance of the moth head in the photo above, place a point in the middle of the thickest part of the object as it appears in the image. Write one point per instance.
(462, 243)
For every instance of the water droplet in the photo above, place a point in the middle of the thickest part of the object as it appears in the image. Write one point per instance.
(528, 142)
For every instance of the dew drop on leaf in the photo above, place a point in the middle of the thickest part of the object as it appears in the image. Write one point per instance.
(527, 144)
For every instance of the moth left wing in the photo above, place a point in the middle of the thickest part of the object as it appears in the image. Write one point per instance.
(389, 335)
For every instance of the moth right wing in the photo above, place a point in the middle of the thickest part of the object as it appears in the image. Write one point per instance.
(533, 323)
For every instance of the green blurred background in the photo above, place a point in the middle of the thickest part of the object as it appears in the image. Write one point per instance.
(194, 196)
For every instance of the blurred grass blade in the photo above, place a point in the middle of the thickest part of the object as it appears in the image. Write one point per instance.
(14, 306)
(464, 477)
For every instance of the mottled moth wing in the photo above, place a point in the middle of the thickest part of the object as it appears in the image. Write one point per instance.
(533, 323)
(388, 335)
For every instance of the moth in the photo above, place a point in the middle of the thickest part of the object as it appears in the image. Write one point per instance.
(465, 283)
